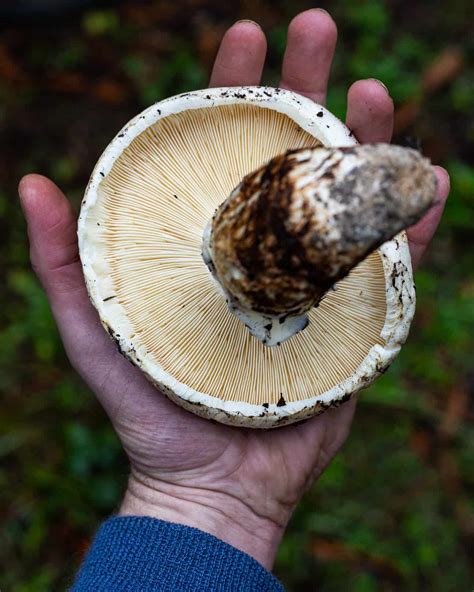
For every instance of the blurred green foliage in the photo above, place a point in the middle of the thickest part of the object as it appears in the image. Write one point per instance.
(173, 77)
(100, 22)
(394, 511)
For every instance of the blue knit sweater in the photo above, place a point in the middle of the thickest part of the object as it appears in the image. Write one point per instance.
(139, 554)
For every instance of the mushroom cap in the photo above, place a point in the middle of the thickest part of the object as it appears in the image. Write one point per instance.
(141, 226)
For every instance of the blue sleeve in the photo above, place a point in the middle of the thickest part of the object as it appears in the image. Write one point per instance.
(140, 554)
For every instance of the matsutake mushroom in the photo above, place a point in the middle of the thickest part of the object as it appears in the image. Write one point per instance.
(248, 255)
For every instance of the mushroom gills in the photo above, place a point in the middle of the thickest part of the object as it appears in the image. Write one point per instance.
(300, 223)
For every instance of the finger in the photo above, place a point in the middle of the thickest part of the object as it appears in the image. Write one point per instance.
(54, 255)
(241, 56)
(52, 233)
(55, 258)
(312, 37)
(420, 235)
(370, 111)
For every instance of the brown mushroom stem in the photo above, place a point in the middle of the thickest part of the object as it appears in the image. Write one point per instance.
(300, 223)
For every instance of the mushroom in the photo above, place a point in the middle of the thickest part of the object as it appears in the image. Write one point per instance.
(248, 255)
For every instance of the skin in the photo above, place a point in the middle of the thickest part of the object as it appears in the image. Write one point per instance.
(239, 485)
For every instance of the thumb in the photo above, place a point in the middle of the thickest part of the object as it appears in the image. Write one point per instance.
(54, 255)
(54, 252)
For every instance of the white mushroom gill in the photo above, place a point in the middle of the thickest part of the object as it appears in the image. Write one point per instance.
(144, 234)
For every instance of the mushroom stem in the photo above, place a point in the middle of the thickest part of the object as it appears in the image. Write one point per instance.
(300, 223)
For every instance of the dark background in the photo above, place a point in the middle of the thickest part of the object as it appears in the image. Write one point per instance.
(395, 509)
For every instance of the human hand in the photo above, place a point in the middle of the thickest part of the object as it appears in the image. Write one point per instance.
(240, 485)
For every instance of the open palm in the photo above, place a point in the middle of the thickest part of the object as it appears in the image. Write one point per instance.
(240, 485)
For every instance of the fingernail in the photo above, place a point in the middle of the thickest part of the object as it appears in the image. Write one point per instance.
(379, 82)
(23, 194)
(447, 179)
(438, 166)
(248, 21)
(22, 189)
(322, 10)
(26, 191)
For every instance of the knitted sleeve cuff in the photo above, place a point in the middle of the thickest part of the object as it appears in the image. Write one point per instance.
(141, 554)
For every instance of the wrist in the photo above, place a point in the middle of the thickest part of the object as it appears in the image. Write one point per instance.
(220, 514)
